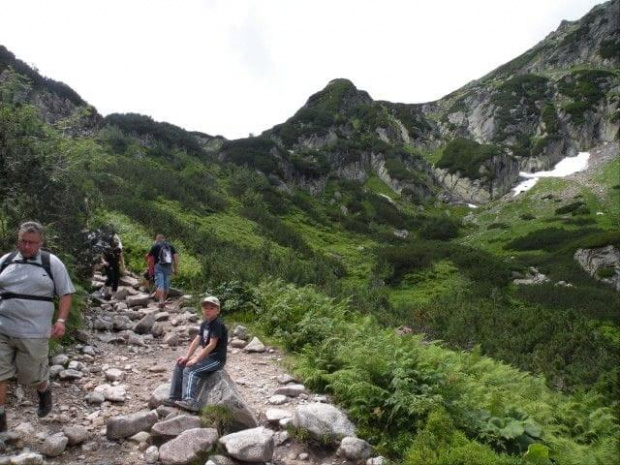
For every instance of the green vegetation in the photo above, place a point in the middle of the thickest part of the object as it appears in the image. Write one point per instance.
(420, 400)
(328, 272)
(467, 157)
(586, 88)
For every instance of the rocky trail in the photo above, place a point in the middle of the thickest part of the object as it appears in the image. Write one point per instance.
(109, 387)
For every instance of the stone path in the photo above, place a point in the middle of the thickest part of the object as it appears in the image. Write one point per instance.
(114, 370)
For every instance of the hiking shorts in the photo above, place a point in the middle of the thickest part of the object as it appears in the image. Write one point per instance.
(163, 273)
(26, 358)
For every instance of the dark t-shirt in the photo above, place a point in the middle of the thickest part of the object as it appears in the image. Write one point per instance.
(215, 328)
(113, 256)
(154, 252)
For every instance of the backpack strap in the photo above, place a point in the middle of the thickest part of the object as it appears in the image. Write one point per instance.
(45, 264)
(8, 261)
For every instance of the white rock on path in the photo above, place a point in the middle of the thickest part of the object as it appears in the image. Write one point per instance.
(354, 449)
(323, 420)
(250, 445)
(54, 445)
(125, 426)
(112, 393)
(188, 446)
(255, 345)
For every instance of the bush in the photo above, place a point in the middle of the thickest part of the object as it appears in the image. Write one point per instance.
(498, 226)
(467, 157)
(440, 228)
(548, 239)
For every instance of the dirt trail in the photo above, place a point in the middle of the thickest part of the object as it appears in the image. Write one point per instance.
(145, 368)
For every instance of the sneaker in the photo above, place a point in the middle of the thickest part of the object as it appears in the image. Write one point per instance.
(45, 403)
(3, 426)
(170, 402)
(188, 404)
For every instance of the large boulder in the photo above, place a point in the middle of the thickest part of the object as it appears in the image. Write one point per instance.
(354, 449)
(188, 446)
(597, 261)
(175, 426)
(128, 425)
(219, 389)
(323, 420)
(250, 445)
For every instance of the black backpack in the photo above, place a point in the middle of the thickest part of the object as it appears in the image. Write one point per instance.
(45, 264)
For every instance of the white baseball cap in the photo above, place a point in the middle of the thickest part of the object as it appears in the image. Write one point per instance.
(212, 300)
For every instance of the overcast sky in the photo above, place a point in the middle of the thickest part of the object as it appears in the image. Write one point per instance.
(234, 67)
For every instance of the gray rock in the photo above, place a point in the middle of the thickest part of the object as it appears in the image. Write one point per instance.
(89, 350)
(54, 445)
(221, 460)
(238, 343)
(129, 281)
(158, 330)
(172, 339)
(592, 260)
(75, 434)
(141, 437)
(145, 325)
(278, 399)
(121, 294)
(70, 374)
(250, 445)
(60, 359)
(76, 365)
(55, 370)
(112, 393)
(219, 389)
(291, 390)
(103, 324)
(121, 323)
(158, 396)
(188, 446)
(27, 458)
(323, 420)
(241, 332)
(95, 398)
(274, 415)
(81, 336)
(128, 425)
(114, 374)
(255, 345)
(139, 300)
(175, 426)
(286, 379)
(354, 449)
(380, 460)
(151, 455)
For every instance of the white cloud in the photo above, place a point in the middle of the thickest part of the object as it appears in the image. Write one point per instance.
(234, 67)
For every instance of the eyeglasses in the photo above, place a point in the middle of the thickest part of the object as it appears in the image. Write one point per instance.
(25, 242)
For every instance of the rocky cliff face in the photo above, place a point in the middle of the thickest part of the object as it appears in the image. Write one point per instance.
(557, 99)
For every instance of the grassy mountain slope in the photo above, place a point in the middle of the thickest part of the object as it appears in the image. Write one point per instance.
(345, 197)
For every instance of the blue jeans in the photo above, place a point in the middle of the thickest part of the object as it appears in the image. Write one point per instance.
(163, 273)
(185, 379)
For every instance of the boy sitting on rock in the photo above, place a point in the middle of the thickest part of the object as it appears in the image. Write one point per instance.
(206, 354)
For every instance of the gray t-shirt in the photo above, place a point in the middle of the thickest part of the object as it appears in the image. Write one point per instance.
(27, 318)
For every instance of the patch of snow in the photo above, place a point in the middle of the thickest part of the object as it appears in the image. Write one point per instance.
(388, 198)
(471, 205)
(563, 168)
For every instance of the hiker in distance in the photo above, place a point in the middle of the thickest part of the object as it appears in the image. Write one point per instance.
(206, 354)
(29, 279)
(112, 260)
(166, 264)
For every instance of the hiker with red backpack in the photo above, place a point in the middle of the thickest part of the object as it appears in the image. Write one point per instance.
(166, 264)
(29, 279)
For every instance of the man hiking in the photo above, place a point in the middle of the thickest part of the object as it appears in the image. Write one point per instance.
(29, 279)
(166, 264)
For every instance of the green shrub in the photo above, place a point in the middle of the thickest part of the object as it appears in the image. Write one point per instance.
(527, 216)
(498, 226)
(609, 48)
(441, 228)
(570, 208)
(467, 157)
(548, 239)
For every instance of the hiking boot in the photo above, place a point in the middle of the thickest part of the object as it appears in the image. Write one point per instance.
(188, 404)
(45, 403)
(170, 402)
(3, 426)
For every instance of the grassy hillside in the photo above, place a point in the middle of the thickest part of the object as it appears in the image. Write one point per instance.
(329, 266)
